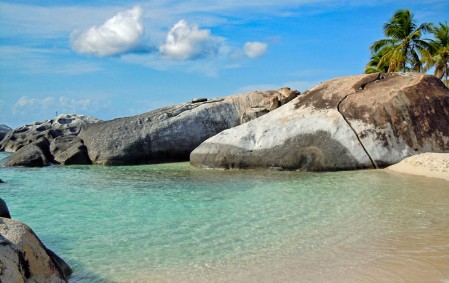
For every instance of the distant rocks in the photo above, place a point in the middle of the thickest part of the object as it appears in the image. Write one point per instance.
(365, 121)
(171, 133)
(3, 131)
(62, 125)
(23, 257)
(355, 122)
(43, 143)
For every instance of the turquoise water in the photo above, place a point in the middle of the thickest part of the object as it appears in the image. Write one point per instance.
(172, 222)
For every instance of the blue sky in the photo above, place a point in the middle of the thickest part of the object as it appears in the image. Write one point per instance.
(115, 58)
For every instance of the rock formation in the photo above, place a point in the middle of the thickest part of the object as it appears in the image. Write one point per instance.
(62, 125)
(35, 154)
(42, 143)
(171, 133)
(23, 257)
(364, 121)
(3, 131)
(69, 150)
(4, 211)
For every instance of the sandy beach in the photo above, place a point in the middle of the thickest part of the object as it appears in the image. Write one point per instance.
(435, 165)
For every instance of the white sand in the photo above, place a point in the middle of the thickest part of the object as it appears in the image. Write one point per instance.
(435, 165)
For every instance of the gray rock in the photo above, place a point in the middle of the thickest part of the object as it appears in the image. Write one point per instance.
(199, 99)
(63, 267)
(35, 154)
(3, 131)
(24, 258)
(171, 133)
(4, 211)
(69, 150)
(365, 121)
(62, 125)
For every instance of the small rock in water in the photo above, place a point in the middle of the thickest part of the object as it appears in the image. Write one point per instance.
(199, 99)
(4, 211)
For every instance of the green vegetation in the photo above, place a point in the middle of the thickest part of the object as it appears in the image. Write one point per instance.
(440, 52)
(404, 49)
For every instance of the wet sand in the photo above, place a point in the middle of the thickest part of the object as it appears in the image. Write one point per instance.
(416, 254)
(434, 165)
(400, 259)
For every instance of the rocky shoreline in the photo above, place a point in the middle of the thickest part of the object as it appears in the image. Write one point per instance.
(355, 122)
(23, 256)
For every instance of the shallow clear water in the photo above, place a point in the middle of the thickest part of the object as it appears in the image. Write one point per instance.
(172, 223)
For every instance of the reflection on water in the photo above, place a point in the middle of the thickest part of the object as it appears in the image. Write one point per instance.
(174, 223)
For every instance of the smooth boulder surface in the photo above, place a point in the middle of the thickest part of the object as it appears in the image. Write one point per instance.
(24, 258)
(364, 121)
(3, 131)
(171, 133)
(62, 125)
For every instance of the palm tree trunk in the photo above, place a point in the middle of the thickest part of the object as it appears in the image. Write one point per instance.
(447, 83)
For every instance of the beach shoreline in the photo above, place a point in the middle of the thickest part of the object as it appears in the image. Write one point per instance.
(430, 164)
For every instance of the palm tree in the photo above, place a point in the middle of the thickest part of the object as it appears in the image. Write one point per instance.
(440, 54)
(373, 65)
(403, 49)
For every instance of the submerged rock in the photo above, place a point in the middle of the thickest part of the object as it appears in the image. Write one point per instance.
(364, 121)
(171, 133)
(24, 258)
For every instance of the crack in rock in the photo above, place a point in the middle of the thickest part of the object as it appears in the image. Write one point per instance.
(360, 86)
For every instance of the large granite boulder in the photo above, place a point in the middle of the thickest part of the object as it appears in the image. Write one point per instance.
(24, 258)
(52, 141)
(69, 150)
(3, 131)
(171, 133)
(62, 125)
(35, 154)
(364, 121)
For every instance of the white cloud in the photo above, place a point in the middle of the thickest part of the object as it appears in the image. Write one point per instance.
(255, 49)
(186, 41)
(47, 106)
(117, 35)
(24, 103)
